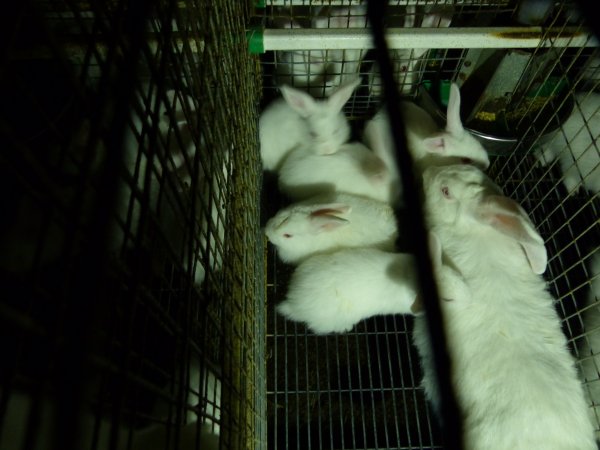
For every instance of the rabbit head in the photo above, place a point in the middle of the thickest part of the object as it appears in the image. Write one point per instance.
(455, 141)
(463, 197)
(301, 221)
(327, 124)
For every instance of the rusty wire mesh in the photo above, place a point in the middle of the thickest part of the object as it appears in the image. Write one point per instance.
(131, 252)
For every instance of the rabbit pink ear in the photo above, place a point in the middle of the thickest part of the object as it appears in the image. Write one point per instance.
(454, 125)
(301, 102)
(506, 216)
(435, 144)
(338, 99)
(327, 217)
(333, 209)
(327, 222)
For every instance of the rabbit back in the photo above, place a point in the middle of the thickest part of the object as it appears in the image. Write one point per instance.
(280, 130)
(353, 169)
(332, 292)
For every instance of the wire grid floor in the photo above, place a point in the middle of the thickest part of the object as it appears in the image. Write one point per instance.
(361, 389)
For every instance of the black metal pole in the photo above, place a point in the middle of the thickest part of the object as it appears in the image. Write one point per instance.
(451, 414)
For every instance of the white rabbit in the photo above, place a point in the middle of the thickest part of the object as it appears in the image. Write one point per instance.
(427, 145)
(319, 72)
(406, 63)
(589, 344)
(343, 65)
(169, 196)
(305, 69)
(329, 222)
(298, 118)
(214, 196)
(353, 169)
(332, 292)
(172, 142)
(511, 370)
(575, 146)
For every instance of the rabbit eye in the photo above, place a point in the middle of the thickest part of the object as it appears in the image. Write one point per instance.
(287, 235)
(446, 191)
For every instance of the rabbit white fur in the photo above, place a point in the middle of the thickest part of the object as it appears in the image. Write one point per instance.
(511, 370)
(298, 118)
(332, 292)
(575, 146)
(320, 72)
(170, 183)
(407, 63)
(343, 64)
(329, 222)
(427, 145)
(353, 169)
(588, 347)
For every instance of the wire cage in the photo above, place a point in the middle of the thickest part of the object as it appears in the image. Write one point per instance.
(131, 249)
(131, 255)
(529, 87)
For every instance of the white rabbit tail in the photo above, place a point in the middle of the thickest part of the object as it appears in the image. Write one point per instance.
(332, 292)
(329, 222)
(512, 373)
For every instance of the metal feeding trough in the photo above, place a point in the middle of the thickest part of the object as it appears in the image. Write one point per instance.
(505, 103)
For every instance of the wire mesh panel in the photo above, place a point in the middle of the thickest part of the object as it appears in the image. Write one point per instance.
(131, 255)
(534, 105)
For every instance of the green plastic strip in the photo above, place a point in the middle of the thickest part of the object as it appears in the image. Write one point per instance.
(254, 36)
(260, 4)
(445, 91)
(551, 86)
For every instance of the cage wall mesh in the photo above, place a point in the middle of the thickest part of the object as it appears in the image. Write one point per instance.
(534, 108)
(132, 260)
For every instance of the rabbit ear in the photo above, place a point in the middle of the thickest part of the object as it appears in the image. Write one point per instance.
(453, 123)
(454, 127)
(338, 99)
(327, 223)
(435, 144)
(326, 218)
(300, 101)
(333, 209)
(506, 216)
